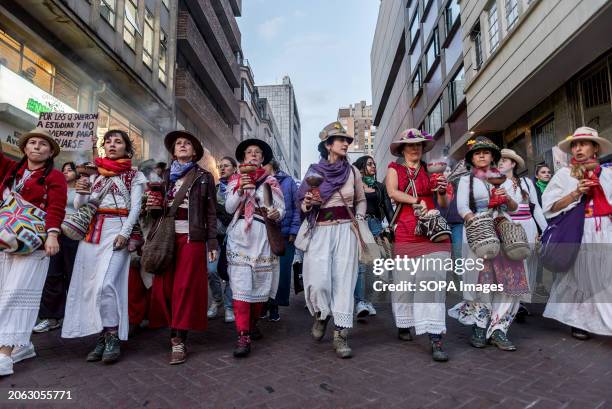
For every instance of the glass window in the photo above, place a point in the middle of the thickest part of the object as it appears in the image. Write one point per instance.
(37, 70)
(452, 14)
(416, 82)
(511, 13)
(434, 120)
(432, 51)
(476, 38)
(107, 10)
(129, 23)
(456, 87)
(10, 52)
(66, 90)
(163, 54)
(147, 42)
(543, 139)
(493, 27)
(414, 28)
(246, 93)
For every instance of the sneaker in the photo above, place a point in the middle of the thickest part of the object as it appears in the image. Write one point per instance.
(404, 334)
(112, 348)
(6, 365)
(21, 353)
(371, 308)
(362, 309)
(319, 327)
(479, 337)
(96, 354)
(179, 352)
(213, 310)
(341, 345)
(243, 345)
(47, 324)
(229, 316)
(273, 315)
(264, 311)
(501, 341)
(437, 353)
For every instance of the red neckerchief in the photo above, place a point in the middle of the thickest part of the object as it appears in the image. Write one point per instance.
(601, 206)
(113, 167)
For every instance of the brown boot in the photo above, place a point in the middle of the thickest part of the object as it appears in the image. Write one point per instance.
(179, 353)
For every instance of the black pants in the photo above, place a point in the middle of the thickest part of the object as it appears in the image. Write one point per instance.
(53, 300)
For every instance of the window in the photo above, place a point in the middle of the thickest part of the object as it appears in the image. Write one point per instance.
(66, 90)
(433, 51)
(434, 119)
(163, 54)
(147, 43)
(130, 26)
(543, 139)
(455, 90)
(417, 82)
(493, 27)
(10, 52)
(107, 10)
(246, 92)
(511, 13)
(595, 89)
(109, 118)
(414, 28)
(452, 14)
(476, 37)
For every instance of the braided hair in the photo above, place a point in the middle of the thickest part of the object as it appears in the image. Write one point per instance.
(472, 201)
(8, 183)
(515, 176)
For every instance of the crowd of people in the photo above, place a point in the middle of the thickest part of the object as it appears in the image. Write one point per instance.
(115, 248)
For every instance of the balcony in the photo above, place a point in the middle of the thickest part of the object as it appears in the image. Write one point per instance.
(191, 99)
(236, 7)
(228, 22)
(194, 48)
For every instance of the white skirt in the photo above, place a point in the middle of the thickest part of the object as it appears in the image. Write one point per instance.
(531, 264)
(582, 297)
(252, 268)
(330, 273)
(96, 266)
(22, 279)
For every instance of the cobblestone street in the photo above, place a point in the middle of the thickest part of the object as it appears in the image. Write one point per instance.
(288, 370)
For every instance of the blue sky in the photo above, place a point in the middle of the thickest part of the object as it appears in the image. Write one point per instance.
(323, 45)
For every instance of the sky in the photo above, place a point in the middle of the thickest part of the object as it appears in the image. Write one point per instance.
(323, 45)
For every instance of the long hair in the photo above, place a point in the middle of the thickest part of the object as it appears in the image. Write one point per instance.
(8, 182)
(361, 162)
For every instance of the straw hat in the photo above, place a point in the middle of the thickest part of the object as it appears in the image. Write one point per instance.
(171, 138)
(411, 135)
(586, 134)
(39, 133)
(478, 143)
(265, 148)
(511, 154)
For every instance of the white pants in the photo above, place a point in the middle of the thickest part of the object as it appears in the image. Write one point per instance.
(330, 273)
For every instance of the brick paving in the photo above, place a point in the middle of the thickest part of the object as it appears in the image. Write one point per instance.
(288, 370)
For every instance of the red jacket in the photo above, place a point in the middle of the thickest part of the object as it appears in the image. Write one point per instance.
(50, 197)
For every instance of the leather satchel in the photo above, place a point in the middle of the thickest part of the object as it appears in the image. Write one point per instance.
(158, 250)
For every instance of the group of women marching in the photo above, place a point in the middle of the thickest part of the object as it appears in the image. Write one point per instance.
(244, 231)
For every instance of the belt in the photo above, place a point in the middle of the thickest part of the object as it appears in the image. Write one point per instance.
(257, 219)
(330, 214)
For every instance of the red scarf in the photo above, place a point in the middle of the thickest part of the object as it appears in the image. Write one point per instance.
(113, 167)
(601, 206)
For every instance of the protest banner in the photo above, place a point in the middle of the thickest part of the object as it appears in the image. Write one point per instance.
(72, 131)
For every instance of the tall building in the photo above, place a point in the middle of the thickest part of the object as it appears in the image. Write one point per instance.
(284, 106)
(208, 74)
(417, 73)
(357, 120)
(114, 57)
(256, 117)
(536, 70)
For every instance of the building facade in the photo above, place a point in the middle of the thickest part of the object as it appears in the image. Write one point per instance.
(417, 73)
(256, 117)
(208, 74)
(536, 70)
(284, 107)
(357, 120)
(114, 57)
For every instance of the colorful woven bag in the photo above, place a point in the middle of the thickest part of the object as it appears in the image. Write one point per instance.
(22, 226)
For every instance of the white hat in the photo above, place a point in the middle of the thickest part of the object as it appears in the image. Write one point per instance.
(511, 154)
(586, 134)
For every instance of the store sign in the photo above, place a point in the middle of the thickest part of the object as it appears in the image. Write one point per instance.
(72, 131)
(9, 139)
(22, 94)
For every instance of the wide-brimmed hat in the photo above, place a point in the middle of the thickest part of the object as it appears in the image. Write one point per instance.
(482, 142)
(411, 135)
(332, 130)
(511, 154)
(265, 148)
(171, 138)
(39, 133)
(586, 134)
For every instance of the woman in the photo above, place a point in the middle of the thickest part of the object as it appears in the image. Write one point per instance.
(425, 310)
(22, 276)
(228, 167)
(179, 297)
(98, 294)
(581, 297)
(543, 173)
(331, 259)
(378, 206)
(253, 268)
(489, 313)
(533, 221)
(54, 293)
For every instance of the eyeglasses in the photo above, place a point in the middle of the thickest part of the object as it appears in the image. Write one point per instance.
(254, 152)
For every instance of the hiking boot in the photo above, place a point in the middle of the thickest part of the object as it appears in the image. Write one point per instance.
(318, 328)
(437, 353)
(404, 334)
(243, 345)
(580, 334)
(179, 352)
(501, 341)
(479, 337)
(112, 349)
(341, 343)
(96, 354)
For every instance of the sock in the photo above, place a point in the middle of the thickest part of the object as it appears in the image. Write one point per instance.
(242, 313)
